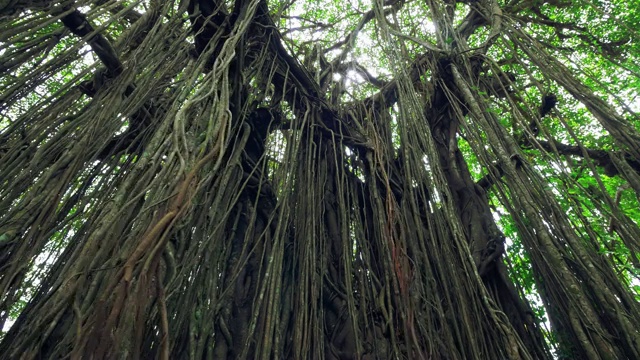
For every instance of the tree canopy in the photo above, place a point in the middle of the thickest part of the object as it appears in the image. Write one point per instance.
(434, 179)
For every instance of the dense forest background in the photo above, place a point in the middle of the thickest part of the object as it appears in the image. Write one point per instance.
(398, 179)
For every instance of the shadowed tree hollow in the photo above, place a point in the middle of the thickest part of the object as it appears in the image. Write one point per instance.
(399, 179)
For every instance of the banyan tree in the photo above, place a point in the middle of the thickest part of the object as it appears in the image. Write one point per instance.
(398, 179)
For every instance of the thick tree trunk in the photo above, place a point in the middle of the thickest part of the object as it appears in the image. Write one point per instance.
(206, 196)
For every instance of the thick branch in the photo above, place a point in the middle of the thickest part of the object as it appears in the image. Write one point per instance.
(601, 158)
(77, 23)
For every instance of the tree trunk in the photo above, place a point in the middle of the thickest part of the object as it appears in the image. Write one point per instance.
(215, 187)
